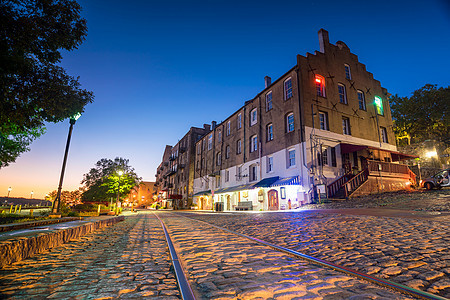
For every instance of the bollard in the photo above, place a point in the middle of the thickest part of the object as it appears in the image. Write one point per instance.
(15, 208)
(31, 212)
(10, 209)
(98, 210)
(20, 208)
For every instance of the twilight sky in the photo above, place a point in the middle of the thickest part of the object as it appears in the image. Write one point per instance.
(158, 67)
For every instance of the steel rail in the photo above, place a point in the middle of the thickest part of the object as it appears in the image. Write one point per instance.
(386, 283)
(183, 284)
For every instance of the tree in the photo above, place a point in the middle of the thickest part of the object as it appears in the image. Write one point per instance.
(424, 115)
(67, 197)
(101, 183)
(33, 88)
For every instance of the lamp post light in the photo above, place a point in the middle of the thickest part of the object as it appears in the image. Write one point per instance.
(32, 194)
(57, 202)
(9, 191)
(118, 192)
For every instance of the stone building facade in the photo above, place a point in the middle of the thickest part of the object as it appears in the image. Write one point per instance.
(304, 134)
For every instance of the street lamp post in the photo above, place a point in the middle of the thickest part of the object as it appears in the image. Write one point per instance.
(118, 192)
(57, 202)
(32, 194)
(9, 191)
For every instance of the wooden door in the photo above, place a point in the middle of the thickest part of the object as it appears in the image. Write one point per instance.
(272, 195)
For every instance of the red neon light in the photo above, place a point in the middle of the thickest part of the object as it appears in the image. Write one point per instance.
(318, 80)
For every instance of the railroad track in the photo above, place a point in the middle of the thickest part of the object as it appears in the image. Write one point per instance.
(187, 291)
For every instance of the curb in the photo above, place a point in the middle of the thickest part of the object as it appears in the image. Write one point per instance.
(20, 248)
(16, 226)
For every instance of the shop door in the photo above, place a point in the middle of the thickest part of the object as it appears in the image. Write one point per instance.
(272, 195)
(228, 203)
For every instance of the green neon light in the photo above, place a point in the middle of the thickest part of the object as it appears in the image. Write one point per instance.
(379, 104)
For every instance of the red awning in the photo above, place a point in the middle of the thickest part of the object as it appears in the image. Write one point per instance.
(396, 156)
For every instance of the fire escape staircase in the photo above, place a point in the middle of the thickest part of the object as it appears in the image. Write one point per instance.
(345, 185)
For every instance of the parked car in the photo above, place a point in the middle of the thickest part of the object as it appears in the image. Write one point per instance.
(438, 180)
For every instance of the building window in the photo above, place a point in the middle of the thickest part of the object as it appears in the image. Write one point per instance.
(253, 117)
(217, 181)
(346, 126)
(199, 148)
(288, 89)
(228, 128)
(269, 130)
(219, 158)
(290, 122)
(269, 164)
(239, 121)
(268, 101)
(333, 157)
(219, 136)
(323, 119)
(238, 147)
(254, 143)
(253, 173)
(210, 141)
(227, 152)
(291, 158)
(361, 100)
(227, 176)
(348, 75)
(325, 156)
(238, 173)
(379, 105)
(384, 137)
(342, 93)
(320, 86)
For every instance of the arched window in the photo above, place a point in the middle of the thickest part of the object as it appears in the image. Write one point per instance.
(320, 85)
(254, 143)
(269, 101)
(253, 117)
(287, 88)
(269, 130)
(290, 122)
(227, 152)
(219, 159)
(342, 93)
(348, 74)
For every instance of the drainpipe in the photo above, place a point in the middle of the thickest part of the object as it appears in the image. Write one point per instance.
(260, 139)
(302, 127)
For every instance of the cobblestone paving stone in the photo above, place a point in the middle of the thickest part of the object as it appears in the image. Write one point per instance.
(222, 265)
(408, 251)
(128, 260)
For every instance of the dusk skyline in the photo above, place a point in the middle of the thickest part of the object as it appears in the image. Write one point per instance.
(157, 69)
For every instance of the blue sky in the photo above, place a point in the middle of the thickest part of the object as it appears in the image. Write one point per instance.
(158, 67)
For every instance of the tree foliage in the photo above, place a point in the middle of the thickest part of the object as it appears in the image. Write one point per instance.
(102, 182)
(67, 197)
(424, 115)
(33, 88)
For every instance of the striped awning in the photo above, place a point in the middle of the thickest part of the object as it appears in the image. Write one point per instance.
(266, 182)
(293, 180)
(208, 192)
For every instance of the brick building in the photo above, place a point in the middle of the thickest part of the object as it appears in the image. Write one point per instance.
(324, 127)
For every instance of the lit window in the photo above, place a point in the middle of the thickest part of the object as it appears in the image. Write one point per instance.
(379, 105)
(291, 158)
(384, 136)
(239, 121)
(238, 147)
(253, 172)
(361, 100)
(348, 75)
(346, 126)
(290, 122)
(287, 89)
(254, 143)
(219, 159)
(342, 93)
(269, 132)
(228, 128)
(269, 164)
(227, 152)
(268, 101)
(323, 119)
(320, 85)
(210, 142)
(253, 117)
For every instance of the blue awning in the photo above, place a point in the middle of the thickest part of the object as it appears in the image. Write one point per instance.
(293, 180)
(240, 187)
(266, 182)
(208, 192)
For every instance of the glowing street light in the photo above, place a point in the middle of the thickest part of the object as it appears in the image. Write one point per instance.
(430, 154)
(57, 203)
(9, 191)
(32, 194)
(120, 173)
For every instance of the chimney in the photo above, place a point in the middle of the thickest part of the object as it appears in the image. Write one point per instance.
(267, 81)
(323, 39)
(207, 127)
(213, 125)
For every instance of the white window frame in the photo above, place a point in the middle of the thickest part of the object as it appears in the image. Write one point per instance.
(219, 136)
(210, 140)
(254, 143)
(227, 175)
(288, 90)
(343, 95)
(348, 73)
(238, 147)
(290, 126)
(253, 116)
(325, 156)
(269, 164)
(228, 128)
(238, 173)
(253, 172)
(346, 126)
(227, 152)
(384, 136)
(269, 101)
(320, 86)
(361, 100)
(239, 121)
(219, 158)
(269, 130)
(291, 158)
(323, 120)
